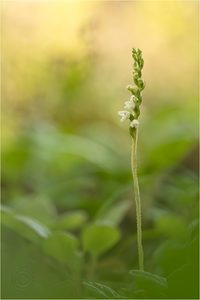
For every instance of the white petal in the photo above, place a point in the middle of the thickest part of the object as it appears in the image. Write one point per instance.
(129, 104)
(134, 123)
(124, 114)
(134, 99)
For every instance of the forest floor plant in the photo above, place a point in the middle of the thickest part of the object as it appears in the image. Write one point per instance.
(132, 113)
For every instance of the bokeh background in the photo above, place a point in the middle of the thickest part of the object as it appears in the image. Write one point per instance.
(66, 156)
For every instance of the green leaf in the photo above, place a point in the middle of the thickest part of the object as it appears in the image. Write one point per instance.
(72, 220)
(39, 228)
(152, 285)
(78, 146)
(147, 276)
(171, 225)
(39, 208)
(166, 148)
(28, 275)
(115, 213)
(61, 246)
(100, 290)
(29, 228)
(113, 205)
(100, 237)
(184, 282)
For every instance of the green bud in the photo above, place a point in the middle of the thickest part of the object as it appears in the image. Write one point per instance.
(141, 63)
(135, 79)
(135, 76)
(137, 70)
(135, 91)
(139, 52)
(139, 99)
(132, 131)
(134, 51)
(136, 111)
(140, 84)
(137, 88)
(139, 73)
(130, 87)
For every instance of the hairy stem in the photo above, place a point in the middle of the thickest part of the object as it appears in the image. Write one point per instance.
(137, 199)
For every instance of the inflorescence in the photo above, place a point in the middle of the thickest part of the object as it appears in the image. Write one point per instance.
(132, 106)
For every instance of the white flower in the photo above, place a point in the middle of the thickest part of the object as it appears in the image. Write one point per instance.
(129, 104)
(129, 87)
(134, 99)
(134, 124)
(124, 114)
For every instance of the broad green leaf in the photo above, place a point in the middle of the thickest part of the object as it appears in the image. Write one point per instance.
(28, 275)
(78, 146)
(167, 147)
(169, 256)
(27, 227)
(100, 237)
(100, 290)
(115, 213)
(39, 208)
(153, 285)
(39, 228)
(147, 276)
(72, 220)
(112, 200)
(171, 225)
(61, 246)
(184, 282)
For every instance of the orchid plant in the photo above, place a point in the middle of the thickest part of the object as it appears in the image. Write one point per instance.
(131, 113)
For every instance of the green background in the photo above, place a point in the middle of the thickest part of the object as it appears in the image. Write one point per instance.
(68, 213)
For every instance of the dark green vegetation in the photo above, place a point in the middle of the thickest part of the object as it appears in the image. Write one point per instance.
(82, 242)
(68, 221)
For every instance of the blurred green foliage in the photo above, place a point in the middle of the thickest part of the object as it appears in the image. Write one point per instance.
(67, 215)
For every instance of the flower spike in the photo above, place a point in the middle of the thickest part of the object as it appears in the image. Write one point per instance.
(132, 113)
(133, 105)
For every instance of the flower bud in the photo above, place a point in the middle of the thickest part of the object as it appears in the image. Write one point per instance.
(124, 114)
(141, 84)
(134, 123)
(130, 87)
(141, 63)
(134, 99)
(133, 105)
(139, 52)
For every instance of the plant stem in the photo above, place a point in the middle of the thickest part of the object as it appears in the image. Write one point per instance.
(137, 199)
